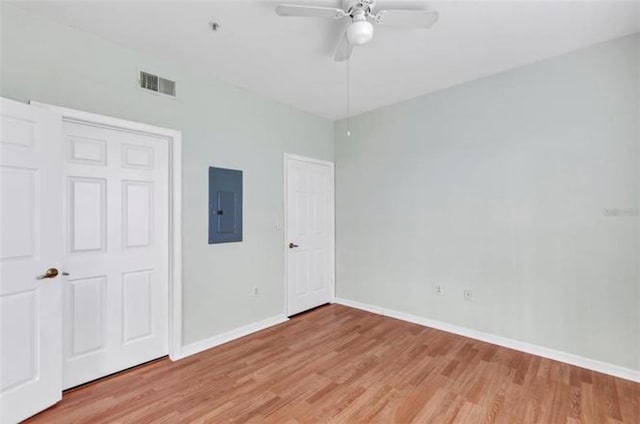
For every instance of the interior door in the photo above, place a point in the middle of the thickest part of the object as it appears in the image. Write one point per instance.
(30, 225)
(117, 250)
(309, 233)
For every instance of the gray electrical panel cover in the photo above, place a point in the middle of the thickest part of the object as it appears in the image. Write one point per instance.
(225, 205)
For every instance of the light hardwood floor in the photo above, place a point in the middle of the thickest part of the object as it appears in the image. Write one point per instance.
(337, 364)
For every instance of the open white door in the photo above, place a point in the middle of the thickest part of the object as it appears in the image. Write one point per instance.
(31, 251)
(309, 223)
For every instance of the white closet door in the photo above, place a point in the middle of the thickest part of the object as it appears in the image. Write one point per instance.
(310, 233)
(116, 206)
(32, 243)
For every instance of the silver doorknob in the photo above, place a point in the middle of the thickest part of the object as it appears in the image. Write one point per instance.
(291, 245)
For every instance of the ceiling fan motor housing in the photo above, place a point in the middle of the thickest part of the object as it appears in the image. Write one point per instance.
(352, 6)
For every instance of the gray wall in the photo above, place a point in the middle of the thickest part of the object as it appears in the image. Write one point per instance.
(221, 125)
(500, 186)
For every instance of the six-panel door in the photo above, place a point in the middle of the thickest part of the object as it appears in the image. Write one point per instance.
(116, 232)
(310, 232)
(31, 243)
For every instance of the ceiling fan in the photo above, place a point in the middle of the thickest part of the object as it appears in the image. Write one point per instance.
(363, 16)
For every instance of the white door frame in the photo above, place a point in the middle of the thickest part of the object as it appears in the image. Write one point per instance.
(175, 200)
(332, 224)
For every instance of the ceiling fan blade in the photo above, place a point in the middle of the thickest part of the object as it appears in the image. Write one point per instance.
(343, 52)
(402, 4)
(407, 18)
(309, 11)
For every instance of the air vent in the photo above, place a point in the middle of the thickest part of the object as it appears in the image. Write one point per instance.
(157, 84)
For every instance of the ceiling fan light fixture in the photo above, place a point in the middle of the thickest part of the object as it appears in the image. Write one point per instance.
(363, 14)
(360, 32)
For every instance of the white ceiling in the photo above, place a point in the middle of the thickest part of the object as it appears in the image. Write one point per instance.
(290, 59)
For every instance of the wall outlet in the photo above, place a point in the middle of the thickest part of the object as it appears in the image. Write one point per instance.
(467, 295)
(439, 289)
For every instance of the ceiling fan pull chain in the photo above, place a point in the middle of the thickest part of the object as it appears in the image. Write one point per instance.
(348, 99)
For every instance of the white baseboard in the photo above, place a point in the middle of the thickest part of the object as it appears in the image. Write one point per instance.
(591, 364)
(223, 338)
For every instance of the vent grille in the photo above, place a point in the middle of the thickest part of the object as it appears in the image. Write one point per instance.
(157, 84)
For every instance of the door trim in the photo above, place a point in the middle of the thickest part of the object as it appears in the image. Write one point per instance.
(175, 200)
(285, 247)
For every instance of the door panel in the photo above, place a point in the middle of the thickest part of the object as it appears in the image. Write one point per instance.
(87, 214)
(137, 206)
(18, 212)
(116, 298)
(19, 357)
(87, 323)
(136, 298)
(30, 215)
(310, 232)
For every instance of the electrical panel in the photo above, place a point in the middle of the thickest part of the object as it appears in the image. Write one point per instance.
(225, 205)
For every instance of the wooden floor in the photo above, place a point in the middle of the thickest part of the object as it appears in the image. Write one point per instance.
(337, 364)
